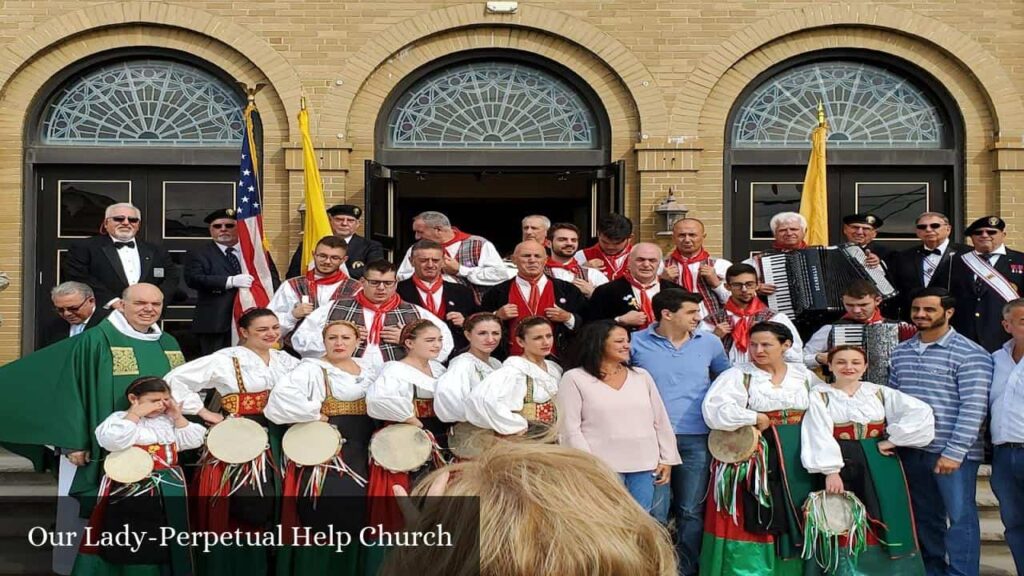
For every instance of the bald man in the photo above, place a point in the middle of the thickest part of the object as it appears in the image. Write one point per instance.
(532, 293)
(627, 300)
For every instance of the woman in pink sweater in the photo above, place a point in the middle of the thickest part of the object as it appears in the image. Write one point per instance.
(614, 411)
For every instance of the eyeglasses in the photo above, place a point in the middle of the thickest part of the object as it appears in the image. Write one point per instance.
(743, 285)
(226, 226)
(933, 226)
(73, 309)
(379, 283)
(328, 257)
(121, 219)
(984, 232)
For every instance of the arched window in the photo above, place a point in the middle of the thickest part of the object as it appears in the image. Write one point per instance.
(492, 105)
(144, 102)
(866, 106)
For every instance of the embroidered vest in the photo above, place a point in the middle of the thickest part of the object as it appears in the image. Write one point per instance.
(543, 412)
(854, 430)
(349, 309)
(243, 403)
(332, 406)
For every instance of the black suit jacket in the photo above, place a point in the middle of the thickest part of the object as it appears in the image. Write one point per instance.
(206, 271)
(54, 328)
(457, 298)
(979, 310)
(360, 251)
(612, 299)
(94, 261)
(567, 297)
(905, 271)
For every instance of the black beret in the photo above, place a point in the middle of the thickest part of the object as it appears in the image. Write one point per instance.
(218, 214)
(345, 210)
(867, 218)
(986, 222)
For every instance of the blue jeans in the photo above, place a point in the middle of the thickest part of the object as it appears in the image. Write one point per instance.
(641, 486)
(687, 492)
(937, 499)
(1008, 484)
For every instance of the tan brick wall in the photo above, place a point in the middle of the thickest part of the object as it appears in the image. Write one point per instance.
(663, 70)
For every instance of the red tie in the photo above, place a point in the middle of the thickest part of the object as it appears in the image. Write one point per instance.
(684, 263)
(533, 301)
(428, 302)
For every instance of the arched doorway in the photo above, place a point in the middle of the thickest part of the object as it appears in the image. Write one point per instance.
(153, 129)
(491, 136)
(895, 145)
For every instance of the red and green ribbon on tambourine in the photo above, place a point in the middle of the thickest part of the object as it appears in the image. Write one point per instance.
(826, 543)
(751, 474)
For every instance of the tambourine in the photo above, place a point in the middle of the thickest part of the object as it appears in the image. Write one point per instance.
(833, 514)
(467, 441)
(236, 440)
(401, 447)
(127, 466)
(311, 443)
(735, 446)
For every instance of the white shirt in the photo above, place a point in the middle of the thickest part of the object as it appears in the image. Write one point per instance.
(542, 282)
(794, 354)
(729, 404)
(130, 261)
(217, 371)
(490, 270)
(721, 292)
(496, 402)
(299, 396)
(390, 396)
(117, 433)
(464, 373)
(933, 259)
(77, 329)
(1006, 397)
(286, 298)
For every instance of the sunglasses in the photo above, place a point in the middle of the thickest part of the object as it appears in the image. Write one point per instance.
(226, 226)
(121, 219)
(933, 226)
(72, 309)
(984, 232)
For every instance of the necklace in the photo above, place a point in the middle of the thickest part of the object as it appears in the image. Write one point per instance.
(618, 369)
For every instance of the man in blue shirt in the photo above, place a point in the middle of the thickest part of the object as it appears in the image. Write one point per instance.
(1007, 404)
(682, 359)
(952, 374)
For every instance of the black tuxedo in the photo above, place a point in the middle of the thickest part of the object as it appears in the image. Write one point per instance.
(54, 328)
(567, 297)
(905, 272)
(457, 298)
(206, 271)
(360, 251)
(613, 299)
(94, 262)
(979, 310)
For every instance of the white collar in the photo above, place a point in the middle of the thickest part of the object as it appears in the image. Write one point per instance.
(224, 249)
(413, 375)
(120, 323)
(941, 247)
(530, 369)
(542, 281)
(1001, 250)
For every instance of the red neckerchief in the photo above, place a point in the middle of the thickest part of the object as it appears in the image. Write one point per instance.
(459, 236)
(430, 290)
(645, 300)
(572, 266)
(611, 270)
(532, 304)
(379, 310)
(875, 318)
(780, 248)
(314, 282)
(741, 330)
(685, 277)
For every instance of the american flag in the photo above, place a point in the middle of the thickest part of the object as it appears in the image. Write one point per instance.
(255, 261)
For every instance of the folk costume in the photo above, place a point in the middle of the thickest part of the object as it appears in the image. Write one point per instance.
(318, 290)
(480, 264)
(753, 523)
(712, 299)
(308, 338)
(742, 320)
(614, 264)
(532, 298)
(439, 298)
(330, 493)
(465, 372)
(840, 434)
(235, 496)
(146, 505)
(518, 394)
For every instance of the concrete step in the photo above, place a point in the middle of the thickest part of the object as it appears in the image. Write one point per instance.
(996, 560)
(18, 557)
(992, 529)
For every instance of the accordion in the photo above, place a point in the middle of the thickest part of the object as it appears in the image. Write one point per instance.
(813, 279)
(878, 340)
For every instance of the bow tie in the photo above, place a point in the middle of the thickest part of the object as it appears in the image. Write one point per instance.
(129, 244)
(928, 252)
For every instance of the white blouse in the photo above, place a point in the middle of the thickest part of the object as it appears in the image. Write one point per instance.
(908, 422)
(118, 433)
(390, 396)
(464, 373)
(299, 396)
(729, 404)
(495, 403)
(217, 371)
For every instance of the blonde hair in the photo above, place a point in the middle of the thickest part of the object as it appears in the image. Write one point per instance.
(350, 325)
(543, 509)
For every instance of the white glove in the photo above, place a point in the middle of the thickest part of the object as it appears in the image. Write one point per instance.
(239, 281)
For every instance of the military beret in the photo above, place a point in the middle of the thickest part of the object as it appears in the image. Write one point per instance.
(869, 219)
(218, 214)
(986, 222)
(345, 210)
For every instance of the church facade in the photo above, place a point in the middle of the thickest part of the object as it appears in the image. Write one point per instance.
(490, 111)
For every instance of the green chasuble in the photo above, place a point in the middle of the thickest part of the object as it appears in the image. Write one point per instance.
(59, 395)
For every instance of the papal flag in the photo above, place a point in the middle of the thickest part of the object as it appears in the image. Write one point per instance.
(814, 200)
(317, 226)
